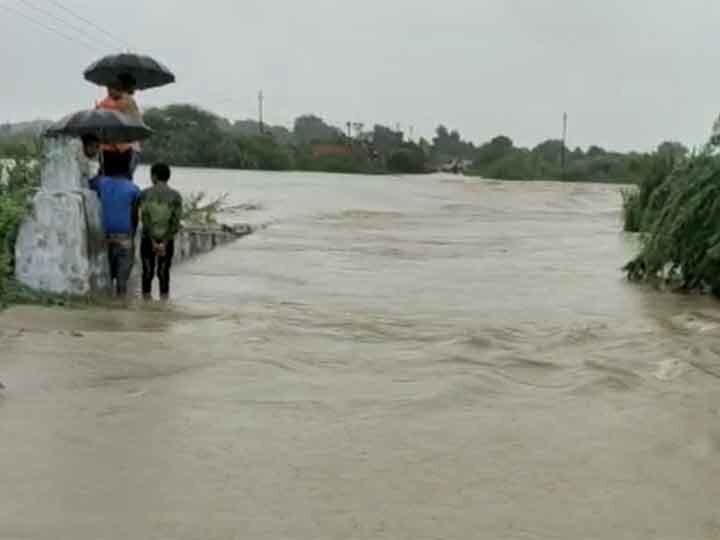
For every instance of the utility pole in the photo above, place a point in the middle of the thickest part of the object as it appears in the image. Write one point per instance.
(564, 140)
(412, 133)
(261, 102)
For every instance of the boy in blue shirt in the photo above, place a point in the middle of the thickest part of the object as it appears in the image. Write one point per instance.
(119, 198)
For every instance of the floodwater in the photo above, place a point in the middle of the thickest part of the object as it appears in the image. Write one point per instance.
(391, 358)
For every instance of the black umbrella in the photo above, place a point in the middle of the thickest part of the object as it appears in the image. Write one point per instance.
(108, 126)
(146, 72)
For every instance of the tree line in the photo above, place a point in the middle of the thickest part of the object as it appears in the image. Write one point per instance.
(188, 135)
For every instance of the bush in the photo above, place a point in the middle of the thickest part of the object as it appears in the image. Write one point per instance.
(16, 194)
(680, 223)
(407, 161)
(632, 210)
(654, 171)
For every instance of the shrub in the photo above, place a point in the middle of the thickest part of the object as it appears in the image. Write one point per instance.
(16, 191)
(680, 223)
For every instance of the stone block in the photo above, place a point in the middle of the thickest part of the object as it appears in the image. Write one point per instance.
(53, 252)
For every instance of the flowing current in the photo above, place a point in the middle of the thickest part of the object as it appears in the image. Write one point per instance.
(390, 358)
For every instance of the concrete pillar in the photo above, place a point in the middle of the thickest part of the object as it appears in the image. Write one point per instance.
(60, 246)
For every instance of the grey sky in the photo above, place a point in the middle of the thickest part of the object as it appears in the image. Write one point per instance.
(630, 73)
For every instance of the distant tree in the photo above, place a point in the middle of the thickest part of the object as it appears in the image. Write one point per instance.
(449, 145)
(577, 154)
(549, 151)
(408, 160)
(595, 151)
(491, 151)
(188, 136)
(312, 129)
(386, 139)
(674, 150)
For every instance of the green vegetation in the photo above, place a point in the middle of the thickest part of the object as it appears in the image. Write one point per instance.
(187, 135)
(19, 178)
(676, 210)
(500, 159)
(200, 209)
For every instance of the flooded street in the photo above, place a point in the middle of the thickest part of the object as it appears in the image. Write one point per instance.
(391, 358)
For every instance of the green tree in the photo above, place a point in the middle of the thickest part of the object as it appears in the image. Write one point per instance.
(494, 150)
(595, 151)
(672, 150)
(385, 139)
(408, 160)
(311, 129)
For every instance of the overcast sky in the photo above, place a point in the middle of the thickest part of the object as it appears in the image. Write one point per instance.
(629, 73)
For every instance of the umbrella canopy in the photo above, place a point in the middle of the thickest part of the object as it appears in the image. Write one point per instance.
(108, 126)
(145, 71)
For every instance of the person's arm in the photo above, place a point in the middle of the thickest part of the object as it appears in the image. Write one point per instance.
(135, 216)
(176, 216)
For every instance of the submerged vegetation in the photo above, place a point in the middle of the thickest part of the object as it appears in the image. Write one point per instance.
(201, 209)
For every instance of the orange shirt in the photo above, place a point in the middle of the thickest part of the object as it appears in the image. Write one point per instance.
(126, 105)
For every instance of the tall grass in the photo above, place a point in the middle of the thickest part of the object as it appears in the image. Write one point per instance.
(678, 216)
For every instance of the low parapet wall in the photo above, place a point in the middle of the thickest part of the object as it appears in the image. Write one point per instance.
(195, 240)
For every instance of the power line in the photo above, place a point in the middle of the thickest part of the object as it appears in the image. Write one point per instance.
(52, 29)
(81, 31)
(110, 35)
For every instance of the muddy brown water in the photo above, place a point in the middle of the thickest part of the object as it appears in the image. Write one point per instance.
(402, 358)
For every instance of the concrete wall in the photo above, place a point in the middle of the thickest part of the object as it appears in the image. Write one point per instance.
(196, 240)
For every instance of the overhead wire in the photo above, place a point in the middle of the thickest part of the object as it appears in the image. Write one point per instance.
(86, 41)
(49, 28)
(79, 29)
(117, 40)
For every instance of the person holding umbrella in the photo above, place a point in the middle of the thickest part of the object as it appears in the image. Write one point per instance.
(123, 74)
(120, 98)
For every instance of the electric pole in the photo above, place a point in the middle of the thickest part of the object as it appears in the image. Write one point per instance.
(564, 140)
(261, 102)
